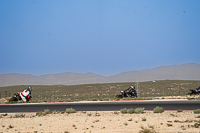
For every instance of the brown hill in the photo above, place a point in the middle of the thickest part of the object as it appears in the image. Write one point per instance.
(175, 72)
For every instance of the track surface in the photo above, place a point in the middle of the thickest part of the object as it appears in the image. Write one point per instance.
(101, 106)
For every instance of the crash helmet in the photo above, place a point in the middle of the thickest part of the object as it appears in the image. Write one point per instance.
(29, 89)
(132, 86)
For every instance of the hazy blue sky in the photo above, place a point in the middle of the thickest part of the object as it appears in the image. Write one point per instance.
(101, 36)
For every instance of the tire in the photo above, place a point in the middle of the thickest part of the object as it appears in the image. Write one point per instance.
(119, 96)
(13, 99)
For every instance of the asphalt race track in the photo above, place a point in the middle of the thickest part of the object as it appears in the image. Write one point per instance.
(101, 106)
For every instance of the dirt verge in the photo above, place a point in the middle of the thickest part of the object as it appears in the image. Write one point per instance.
(98, 122)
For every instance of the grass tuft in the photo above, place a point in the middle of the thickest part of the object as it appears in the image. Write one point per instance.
(197, 111)
(11, 126)
(70, 110)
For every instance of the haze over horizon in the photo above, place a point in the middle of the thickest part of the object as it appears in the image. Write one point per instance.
(102, 37)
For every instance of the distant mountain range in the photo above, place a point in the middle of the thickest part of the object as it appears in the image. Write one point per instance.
(175, 72)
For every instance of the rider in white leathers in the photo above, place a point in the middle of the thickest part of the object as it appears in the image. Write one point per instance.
(26, 94)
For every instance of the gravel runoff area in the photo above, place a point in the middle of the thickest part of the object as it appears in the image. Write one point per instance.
(101, 122)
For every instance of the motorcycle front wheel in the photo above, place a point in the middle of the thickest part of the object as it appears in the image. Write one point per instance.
(119, 96)
(13, 99)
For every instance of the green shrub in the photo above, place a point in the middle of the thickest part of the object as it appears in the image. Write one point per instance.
(46, 111)
(22, 115)
(125, 124)
(94, 99)
(177, 121)
(197, 111)
(10, 126)
(116, 98)
(158, 109)
(5, 114)
(196, 125)
(198, 98)
(198, 116)
(97, 114)
(39, 113)
(151, 127)
(123, 111)
(145, 130)
(180, 110)
(131, 111)
(169, 125)
(115, 112)
(105, 99)
(144, 119)
(19, 115)
(139, 110)
(172, 114)
(70, 110)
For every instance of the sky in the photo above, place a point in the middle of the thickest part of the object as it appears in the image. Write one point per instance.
(104, 37)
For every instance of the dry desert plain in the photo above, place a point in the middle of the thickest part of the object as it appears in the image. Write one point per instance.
(101, 122)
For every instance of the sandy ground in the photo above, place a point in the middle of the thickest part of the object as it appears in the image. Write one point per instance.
(101, 122)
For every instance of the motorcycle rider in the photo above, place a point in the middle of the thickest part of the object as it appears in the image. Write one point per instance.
(26, 94)
(130, 91)
(198, 90)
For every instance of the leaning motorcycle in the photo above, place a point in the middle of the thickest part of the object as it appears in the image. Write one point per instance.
(17, 97)
(124, 94)
(194, 92)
